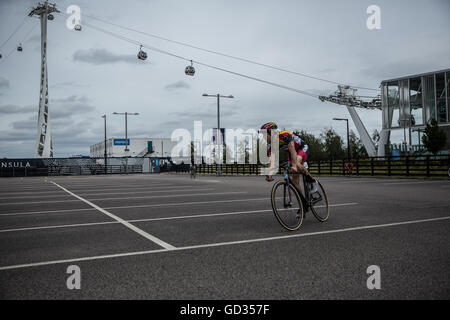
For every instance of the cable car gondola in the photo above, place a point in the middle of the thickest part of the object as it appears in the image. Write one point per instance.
(77, 27)
(142, 55)
(190, 70)
(19, 48)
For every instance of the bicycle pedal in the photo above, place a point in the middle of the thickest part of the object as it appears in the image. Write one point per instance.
(316, 199)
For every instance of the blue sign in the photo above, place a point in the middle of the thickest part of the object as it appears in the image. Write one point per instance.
(396, 154)
(121, 142)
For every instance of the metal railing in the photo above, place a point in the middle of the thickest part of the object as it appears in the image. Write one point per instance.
(409, 166)
(69, 170)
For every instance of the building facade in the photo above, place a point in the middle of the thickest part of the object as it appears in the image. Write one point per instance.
(408, 104)
(137, 147)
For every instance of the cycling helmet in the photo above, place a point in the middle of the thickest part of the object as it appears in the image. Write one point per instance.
(269, 126)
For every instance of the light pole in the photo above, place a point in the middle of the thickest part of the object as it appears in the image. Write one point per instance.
(106, 154)
(404, 122)
(419, 130)
(218, 123)
(126, 133)
(348, 137)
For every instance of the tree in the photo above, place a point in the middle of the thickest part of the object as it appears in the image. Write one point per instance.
(333, 144)
(434, 138)
(357, 148)
(315, 145)
(375, 138)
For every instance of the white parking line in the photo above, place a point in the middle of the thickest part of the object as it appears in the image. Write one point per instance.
(415, 182)
(158, 241)
(135, 206)
(124, 198)
(220, 244)
(38, 190)
(155, 219)
(193, 188)
(374, 180)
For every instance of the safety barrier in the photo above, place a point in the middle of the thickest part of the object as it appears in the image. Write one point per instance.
(409, 166)
(69, 170)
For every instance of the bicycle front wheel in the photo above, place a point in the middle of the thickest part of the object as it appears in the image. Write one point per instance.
(287, 205)
(320, 206)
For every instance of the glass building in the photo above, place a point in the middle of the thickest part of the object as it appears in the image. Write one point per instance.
(408, 104)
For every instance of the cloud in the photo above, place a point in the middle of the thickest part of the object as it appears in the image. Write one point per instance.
(71, 84)
(62, 108)
(177, 85)
(201, 114)
(17, 135)
(25, 124)
(35, 38)
(4, 83)
(103, 56)
(72, 98)
(70, 106)
(14, 109)
(69, 121)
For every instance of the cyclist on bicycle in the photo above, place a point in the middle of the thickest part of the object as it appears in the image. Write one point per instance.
(297, 151)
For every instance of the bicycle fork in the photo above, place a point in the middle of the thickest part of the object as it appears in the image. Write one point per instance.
(286, 189)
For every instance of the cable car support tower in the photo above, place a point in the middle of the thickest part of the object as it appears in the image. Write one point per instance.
(346, 95)
(44, 146)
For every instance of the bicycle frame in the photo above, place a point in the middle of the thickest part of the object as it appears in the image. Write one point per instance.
(306, 196)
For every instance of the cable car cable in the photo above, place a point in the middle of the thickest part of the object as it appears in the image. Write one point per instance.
(15, 30)
(201, 63)
(223, 54)
(25, 38)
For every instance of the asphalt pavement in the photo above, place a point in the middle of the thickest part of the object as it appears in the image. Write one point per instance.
(173, 237)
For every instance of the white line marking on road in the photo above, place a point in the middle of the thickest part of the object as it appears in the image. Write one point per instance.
(374, 180)
(415, 182)
(155, 219)
(122, 198)
(219, 244)
(135, 206)
(126, 224)
(38, 190)
(193, 188)
(45, 212)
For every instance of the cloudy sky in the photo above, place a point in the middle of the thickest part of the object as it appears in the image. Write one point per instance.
(92, 73)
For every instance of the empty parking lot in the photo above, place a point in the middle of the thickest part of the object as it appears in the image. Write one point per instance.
(172, 237)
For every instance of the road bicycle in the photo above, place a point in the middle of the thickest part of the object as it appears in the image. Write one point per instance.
(290, 204)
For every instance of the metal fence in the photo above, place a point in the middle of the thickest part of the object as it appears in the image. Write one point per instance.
(410, 166)
(27, 167)
(68, 170)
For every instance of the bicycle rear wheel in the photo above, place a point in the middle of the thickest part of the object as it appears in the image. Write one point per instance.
(320, 206)
(287, 205)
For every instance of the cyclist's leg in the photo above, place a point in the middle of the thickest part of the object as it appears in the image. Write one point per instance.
(303, 157)
(296, 177)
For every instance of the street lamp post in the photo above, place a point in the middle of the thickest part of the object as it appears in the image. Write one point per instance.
(405, 122)
(218, 123)
(419, 130)
(126, 134)
(348, 137)
(106, 154)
